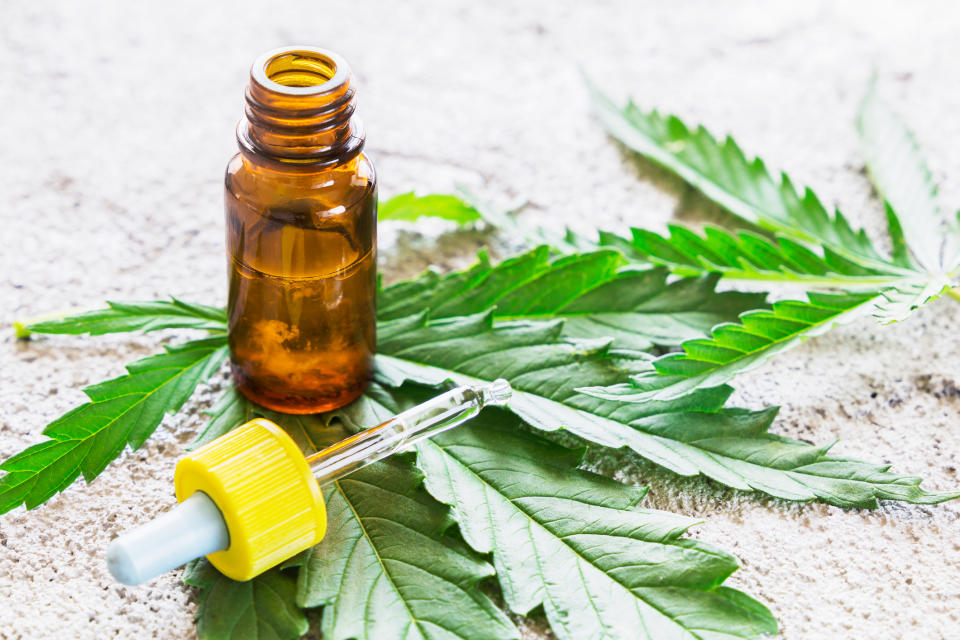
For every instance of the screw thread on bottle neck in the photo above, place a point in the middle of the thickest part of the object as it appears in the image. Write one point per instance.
(299, 109)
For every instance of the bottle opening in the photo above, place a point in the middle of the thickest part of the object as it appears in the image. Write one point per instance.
(300, 106)
(300, 69)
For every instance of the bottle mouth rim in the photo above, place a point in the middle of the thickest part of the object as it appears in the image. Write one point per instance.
(341, 71)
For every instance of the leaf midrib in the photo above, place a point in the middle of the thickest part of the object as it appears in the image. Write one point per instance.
(771, 275)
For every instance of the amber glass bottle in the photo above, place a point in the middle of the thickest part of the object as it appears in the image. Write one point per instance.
(301, 208)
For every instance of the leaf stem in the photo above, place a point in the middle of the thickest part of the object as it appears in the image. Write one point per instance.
(21, 328)
(953, 293)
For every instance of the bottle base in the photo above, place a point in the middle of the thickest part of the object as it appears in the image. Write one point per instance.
(296, 404)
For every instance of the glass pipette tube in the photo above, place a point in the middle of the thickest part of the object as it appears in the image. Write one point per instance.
(405, 429)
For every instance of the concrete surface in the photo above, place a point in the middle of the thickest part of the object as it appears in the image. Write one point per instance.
(117, 119)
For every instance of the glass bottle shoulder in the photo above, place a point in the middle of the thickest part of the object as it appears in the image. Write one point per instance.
(333, 189)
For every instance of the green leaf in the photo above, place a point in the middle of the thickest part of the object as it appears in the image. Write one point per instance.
(121, 317)
(409, 207)
(902, 178)
(125, 410)
(735, 348)
(689, 434)
(836, 255)
(229, 411)
(259, 609)
(744, 187)
(466, 208)
(747, 256)
(385, 551)
(577, 543)
(734, 447)
(376, 526)
(899, 302)
(752, 257)
(594, 292)
(463, 209)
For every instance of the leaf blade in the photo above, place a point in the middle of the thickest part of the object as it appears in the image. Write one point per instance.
(749, 257)
(123, 411)
(379, 520)
(120, 317)
(409, 207)
(745, 188)
(758, 337)
(593, 292)
(575, 542)
(904, 181)
(546, 370)
(259, 608)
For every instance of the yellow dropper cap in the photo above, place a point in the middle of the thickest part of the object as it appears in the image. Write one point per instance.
(268, 497)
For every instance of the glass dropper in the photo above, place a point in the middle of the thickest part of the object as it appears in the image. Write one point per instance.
(404, 430)
(250, 499)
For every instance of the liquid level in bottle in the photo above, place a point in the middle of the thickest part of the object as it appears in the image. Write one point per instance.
(303, 344)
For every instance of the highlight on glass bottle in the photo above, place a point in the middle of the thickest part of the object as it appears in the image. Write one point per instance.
(301, 202)
(250, 499)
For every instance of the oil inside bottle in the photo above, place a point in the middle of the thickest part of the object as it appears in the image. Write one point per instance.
(302, 302)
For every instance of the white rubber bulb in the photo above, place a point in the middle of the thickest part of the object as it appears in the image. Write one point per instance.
(192, 529)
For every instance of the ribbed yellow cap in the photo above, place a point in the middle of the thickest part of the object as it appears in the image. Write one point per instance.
(258, 478)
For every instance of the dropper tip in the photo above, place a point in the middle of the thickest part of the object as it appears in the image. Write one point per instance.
(121, 566)
(497, 392)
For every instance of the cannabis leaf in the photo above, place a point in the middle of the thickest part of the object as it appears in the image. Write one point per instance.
(382, 544)
(921, 236)
(261, 608)
(809, 245)
(121, 317)
(465, 208)
(409, 207)
(749, 256)
(596, 293)
(572, 541)
(745, 188)
(690, 434)
(745, 255)
(904, 181)
(576, 297)
(125, 410)
(735, 348)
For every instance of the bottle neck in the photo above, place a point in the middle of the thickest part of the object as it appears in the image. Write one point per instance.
(300, 110)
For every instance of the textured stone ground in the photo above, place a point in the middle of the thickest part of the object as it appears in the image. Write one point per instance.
(117, 119)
